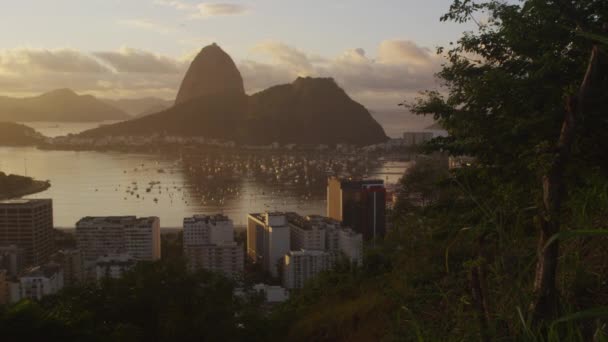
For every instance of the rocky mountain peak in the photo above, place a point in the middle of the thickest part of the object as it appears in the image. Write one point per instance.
(212, 71)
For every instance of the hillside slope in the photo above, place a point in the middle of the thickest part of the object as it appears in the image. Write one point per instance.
(13, 134)
(212, 103)
(61, 105)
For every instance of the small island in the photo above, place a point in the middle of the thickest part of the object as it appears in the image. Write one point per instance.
(14, 186)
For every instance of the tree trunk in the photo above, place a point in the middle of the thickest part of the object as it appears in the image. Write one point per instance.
(479, 303)
(479, 289)
(546, 303)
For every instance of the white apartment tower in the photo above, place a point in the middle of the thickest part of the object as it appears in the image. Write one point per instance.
(345, 241)
(300, 266)
(209, 245)
(100, 236)
(306, 232)
(333, 237)
(205, 230)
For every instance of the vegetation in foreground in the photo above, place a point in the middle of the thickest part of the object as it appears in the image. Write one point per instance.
(512, 248)
(156, 302)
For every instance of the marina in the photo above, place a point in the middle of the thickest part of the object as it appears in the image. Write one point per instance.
(89, 183)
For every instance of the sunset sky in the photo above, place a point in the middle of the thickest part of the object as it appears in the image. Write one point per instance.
(379, 51)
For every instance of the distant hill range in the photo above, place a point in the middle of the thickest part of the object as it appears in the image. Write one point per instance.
(14, 134)
(139, 107)
(212, 103)
(61, 105)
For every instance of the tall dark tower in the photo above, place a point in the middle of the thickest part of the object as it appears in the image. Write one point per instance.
(28, 224)
(359, 204)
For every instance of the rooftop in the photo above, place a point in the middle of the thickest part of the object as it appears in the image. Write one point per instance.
(324, 219)
(23, 201)
(303, 222)
(310, 221)
(299, 221)
(207, 219)
(262, 216)
(116, 220)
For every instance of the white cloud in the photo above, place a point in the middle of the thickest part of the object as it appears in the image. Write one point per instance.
(146, 24)
(404, 52)
(283, 54)
(205, 9)
(126, 72)
(25, 60)
(130, 60)
(398, 70)
(219, 9)
(258, 76)
(176, 4)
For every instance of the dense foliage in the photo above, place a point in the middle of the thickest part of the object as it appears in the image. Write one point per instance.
(155, 302)
(418, 284)
(460, 260)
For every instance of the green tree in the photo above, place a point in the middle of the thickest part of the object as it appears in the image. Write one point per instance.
(420, 184)
(526, 96)
(158, 301)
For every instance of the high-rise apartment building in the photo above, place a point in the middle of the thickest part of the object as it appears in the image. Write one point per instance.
(28, 224)
(307, 232)
(268, 240)
(100, 236)
(359, 204)
(301, 266)
(336, 238)
(270, 236)
(209, 245)
(315, 232)
(344, 241)
(205, 230)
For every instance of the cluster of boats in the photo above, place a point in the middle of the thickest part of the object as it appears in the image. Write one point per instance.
(305, 172)
(212, 179)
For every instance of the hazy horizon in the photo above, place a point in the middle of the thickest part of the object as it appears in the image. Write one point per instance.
(142, 48)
